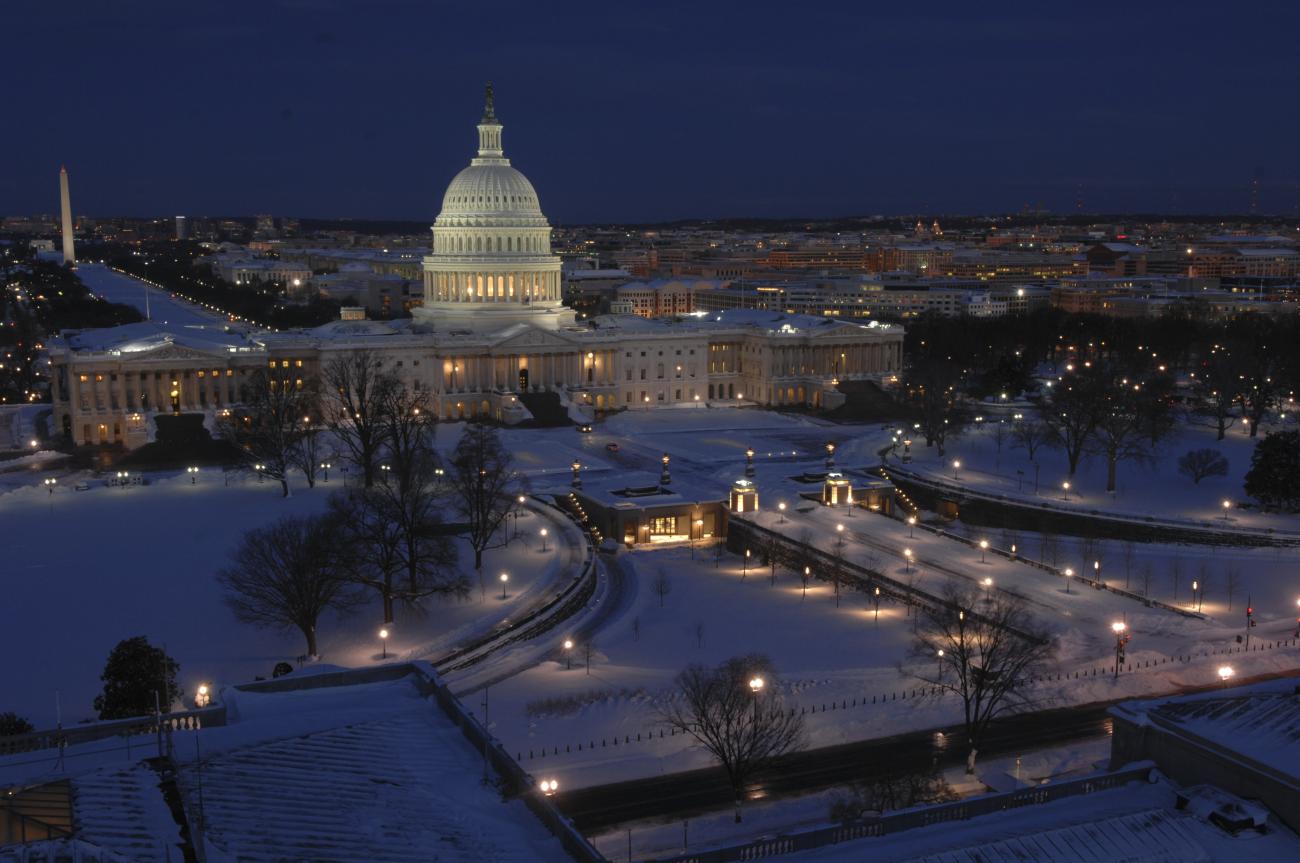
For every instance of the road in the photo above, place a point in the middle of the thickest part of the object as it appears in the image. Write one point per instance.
(157, 304)
(691, 793)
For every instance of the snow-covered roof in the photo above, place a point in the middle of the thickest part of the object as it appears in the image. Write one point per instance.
(148, 335)
(1260, 722)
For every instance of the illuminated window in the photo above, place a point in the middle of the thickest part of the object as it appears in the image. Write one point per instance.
(284, 364)
(84, 378)
(297, 363)
(272, 363)
(201, 373)
(99, 378)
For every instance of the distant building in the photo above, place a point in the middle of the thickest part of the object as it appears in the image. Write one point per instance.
(182, 228)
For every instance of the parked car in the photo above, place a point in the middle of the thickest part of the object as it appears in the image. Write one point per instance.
(585, 428)
(611, 446)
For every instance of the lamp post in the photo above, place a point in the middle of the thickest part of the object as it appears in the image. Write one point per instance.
(548, 787)
(1096, 570)
(1227, 505)
(568, 653)
(876, 592)
(1121, 638)
(260, 468)
(807, 574)
(745, 566)
(830, 455)
(1069, 573)
(665, 478)
(984, 546)
(939, 656)
(1196, 586)
(1225, 674)
(383, 640)
(325, 468)
(1065, 490)
(987, 584)
(911, 527)
(519, 510)
(505, 577)
(577, 474)
(50, 482)
(543, 533)
(203, 695)
(756, 686)
(194, 474)
(749, 461)
(907, 557)
(780, 507)
(956, 466)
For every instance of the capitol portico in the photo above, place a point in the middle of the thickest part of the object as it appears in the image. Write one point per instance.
(492, 339)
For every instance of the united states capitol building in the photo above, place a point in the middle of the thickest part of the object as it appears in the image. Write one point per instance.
(491, 339)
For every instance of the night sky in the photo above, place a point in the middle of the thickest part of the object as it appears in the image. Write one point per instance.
(651, 111)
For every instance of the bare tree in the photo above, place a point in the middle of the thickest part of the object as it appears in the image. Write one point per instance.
(989, 659)
(1175, 575)
(356, 386)
(1049, 549)
(1219, 386)
(1130, 555)
(307, 454)
(1232, 583)
(1030, 435)
(287, 574)
(1148, 574)
(662, 586)
(268, 429)
(410, 492)
(999, 436)
(1202, 584)
(481, 484)
(743, 728)
(891, 791)
(1072, 414)
(1199, 464)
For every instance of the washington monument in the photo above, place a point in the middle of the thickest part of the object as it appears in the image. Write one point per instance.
(65, 201)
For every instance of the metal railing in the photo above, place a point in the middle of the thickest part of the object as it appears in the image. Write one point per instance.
(57, 738)
(909, 819)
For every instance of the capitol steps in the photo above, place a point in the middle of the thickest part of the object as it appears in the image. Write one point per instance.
(123, 810)
(369, 791)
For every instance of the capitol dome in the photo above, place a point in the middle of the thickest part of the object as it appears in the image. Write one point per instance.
(491, 263)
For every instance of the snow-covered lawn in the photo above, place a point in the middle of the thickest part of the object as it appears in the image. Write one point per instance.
(1155, 488)
(83, 570)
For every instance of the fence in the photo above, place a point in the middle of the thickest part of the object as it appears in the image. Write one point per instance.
(1091, 582)
(61, 738)
(574, 596)
(1131, 525)
(59, 851)
(829, 706)
(897, 822)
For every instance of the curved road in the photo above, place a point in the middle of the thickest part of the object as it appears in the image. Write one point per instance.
(687, 794)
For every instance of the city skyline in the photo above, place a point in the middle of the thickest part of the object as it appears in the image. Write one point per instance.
(641, 115)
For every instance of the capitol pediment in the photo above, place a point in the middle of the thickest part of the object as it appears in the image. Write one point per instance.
(533, 338)
(173, 351)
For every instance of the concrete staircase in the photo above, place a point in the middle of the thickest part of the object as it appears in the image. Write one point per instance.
(546, 408)
(123, 810)
(369, 791)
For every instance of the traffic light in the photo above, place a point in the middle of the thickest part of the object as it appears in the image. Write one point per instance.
(1250, 616)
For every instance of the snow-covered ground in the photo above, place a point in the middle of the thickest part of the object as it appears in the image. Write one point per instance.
(84, 570)
(1154, 488)
(158, 305)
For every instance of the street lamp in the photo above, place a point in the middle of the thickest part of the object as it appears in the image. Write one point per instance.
(193, 472)
(911, 527)
(383, 640)
(1121, 638)
(807, 574)
(781, 509)
(665, 478)
(568, 653)
(325, 466)
(1068, 574)
(543, 533)
(1195, 586)
(202, 696)
(749, 461)
(745, 566)
(939, 656)
(1096, 570)
(830, 455)
(548, 786)
(756, 686)
(1227, 505)
(1225, 674)
(50, 482)
(956, 466)
(984, 546)
(504, 578)
(907, 556)
(577, 475)
(988, 588)
(1065, 490)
